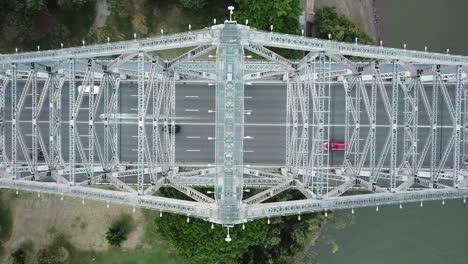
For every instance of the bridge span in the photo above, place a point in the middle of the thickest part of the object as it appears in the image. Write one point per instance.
(73, 119)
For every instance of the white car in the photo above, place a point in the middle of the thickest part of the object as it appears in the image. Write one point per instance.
(86, 89)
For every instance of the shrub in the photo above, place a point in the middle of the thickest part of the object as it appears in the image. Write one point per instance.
(119, 231)
(18, 257)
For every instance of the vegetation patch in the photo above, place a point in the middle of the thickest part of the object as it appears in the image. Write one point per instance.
(119, 231)
(257, 242)
(340, 28)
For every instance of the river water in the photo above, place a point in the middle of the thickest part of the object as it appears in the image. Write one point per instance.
(433, 234)
(438, 24)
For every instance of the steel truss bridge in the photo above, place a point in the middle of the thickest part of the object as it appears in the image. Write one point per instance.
(70, 156)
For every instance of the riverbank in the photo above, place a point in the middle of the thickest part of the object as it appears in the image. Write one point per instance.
(362, 12)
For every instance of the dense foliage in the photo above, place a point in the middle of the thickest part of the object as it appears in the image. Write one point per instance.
(53, 254)
(18, 257)
(25, 24)
(282, 14)
(119, 231)
(193, 4)
(340, 28)
(258, 243)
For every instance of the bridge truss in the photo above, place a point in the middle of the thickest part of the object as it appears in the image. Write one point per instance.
(65, 151)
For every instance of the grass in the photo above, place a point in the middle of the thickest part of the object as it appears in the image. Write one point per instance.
(157, 252)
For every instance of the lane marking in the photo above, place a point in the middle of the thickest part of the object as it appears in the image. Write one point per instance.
(192, 150)
(191, 96)
(191, 110)
(212, 124)
(133, 109)
(192, 137)
(248, 151)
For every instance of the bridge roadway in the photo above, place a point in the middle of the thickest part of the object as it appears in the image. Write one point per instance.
(265, 106)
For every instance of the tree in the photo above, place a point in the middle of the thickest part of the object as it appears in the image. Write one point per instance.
(119, 231)
(193, 4)
(139, 24)
(282, 14)
(71, 4)
(18, 257)
(340, 28)
(121, 8)
(35, 5)
(258, 243)
(53, 254)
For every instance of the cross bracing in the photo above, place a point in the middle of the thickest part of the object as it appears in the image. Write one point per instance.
(67, 126)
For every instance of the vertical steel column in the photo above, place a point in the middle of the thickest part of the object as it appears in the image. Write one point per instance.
(394, 139)
(435, 102)
(320, 175)
(172, 117)
(288, 125)
(106, 133)
(72, 135)
(91, 125)
(373, 121)
(458, 111)
(415, 127)
(14, 154)
(34, 120)
(3, 87)
(141, 121)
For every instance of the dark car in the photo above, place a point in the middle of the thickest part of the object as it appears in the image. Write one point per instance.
(169, 128)
(40, 154)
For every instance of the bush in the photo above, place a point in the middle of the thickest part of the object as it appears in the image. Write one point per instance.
(71, 4)
(52, 254)
(258, 243)
(282, 14)
(341, 28)
(121, 8)
(193, 4)
(119, 231)
(18, 257)
(139, 24)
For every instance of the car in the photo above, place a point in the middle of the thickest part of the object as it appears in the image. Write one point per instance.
(334, 146)
(169, 128)
(86, 89)
(40, 154)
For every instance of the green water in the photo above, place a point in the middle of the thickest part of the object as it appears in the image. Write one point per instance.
(433, 234)
(438, 24)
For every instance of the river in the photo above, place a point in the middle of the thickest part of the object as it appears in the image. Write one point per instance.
(435, 233)
(437, 24)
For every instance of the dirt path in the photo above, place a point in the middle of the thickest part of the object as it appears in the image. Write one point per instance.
(41, 219)
(362, 12)
(102, 12)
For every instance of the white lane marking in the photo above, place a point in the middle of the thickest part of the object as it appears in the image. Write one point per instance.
(192, 150)
(248, 97)
(248, 151)
(134, 149)
(134, 109)
(191, 110)
(191, 96)
(212, 124)
(134, 95)
(192, 137)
